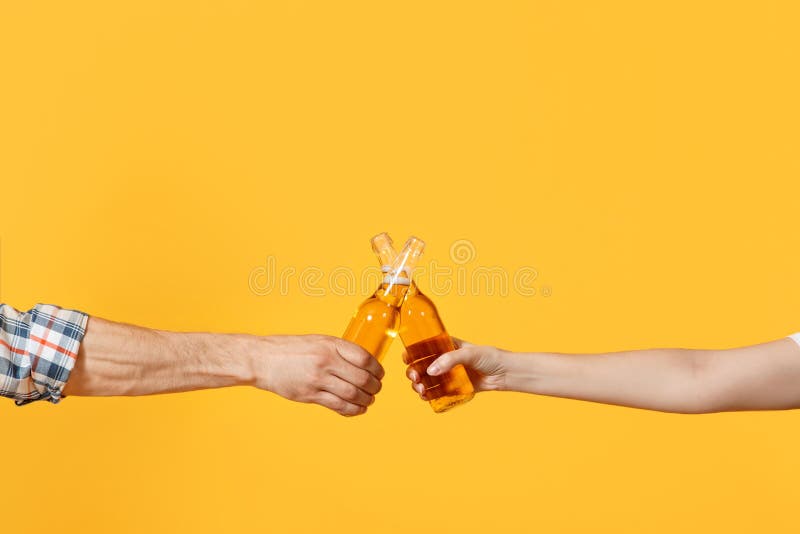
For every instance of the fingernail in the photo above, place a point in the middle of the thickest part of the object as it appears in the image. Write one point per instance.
(433, 369)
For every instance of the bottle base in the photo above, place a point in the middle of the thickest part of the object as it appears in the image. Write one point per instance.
(448, 402)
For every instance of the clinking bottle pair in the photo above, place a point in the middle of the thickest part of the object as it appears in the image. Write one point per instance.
(398, 306)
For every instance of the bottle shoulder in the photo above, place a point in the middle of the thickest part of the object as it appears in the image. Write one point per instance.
(376, 302)
(415, 296)
(390, 295)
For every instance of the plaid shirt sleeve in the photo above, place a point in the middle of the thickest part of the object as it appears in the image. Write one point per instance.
(38, 349)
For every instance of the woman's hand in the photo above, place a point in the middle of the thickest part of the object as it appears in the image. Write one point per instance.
(486, 367)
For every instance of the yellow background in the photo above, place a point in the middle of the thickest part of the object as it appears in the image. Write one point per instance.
(642, 156)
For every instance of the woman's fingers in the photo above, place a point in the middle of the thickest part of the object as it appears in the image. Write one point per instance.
(412, 374)
(464, 353)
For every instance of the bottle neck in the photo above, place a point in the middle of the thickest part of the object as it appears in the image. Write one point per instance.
(383, 249)
(402, 269)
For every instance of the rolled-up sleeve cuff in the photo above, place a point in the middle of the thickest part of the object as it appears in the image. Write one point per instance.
(53, 343)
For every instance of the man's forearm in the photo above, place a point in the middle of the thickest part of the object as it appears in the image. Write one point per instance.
(120, 359)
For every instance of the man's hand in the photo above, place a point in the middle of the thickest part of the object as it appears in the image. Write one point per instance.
(121, 359)
(324, 370)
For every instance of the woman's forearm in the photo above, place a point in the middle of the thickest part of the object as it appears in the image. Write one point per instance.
(760, 377)
(654, 379)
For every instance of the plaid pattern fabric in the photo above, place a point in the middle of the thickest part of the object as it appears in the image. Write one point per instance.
(38, 349)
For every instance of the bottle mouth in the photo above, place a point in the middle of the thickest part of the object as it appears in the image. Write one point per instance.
(388, 278)
(401, 270)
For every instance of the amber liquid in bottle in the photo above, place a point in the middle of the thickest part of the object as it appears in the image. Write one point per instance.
(374, 324)
(426, 338)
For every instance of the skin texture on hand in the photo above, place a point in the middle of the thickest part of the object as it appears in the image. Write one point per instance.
(320, 369)
(121, 359)
(758, 377)
(485, 366)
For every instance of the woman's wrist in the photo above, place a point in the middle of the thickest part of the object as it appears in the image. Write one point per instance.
(521, 371)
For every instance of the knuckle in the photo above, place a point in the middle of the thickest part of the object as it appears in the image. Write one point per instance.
(363, 380)
(363, 359)
(339, 345)
(316, 375)
(329, 361)
(318, 359)
(316, 338)
(350, 392)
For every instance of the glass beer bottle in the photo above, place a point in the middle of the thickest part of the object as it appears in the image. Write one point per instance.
(374, 324)
(426, 338)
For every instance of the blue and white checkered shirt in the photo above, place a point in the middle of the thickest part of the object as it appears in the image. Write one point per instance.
(38, 349)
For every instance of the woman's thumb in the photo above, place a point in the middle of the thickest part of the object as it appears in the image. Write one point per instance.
(448, 360)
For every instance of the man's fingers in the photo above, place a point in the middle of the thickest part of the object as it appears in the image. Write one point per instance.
(348, 392)
(360, 358)
(339, 405)
(447, 361)
(360, 378)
